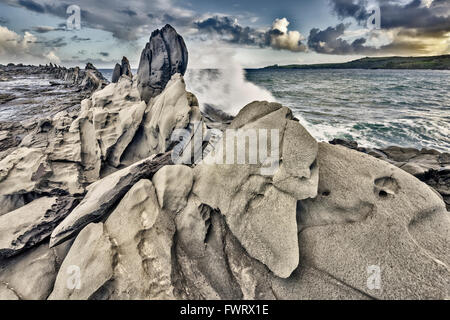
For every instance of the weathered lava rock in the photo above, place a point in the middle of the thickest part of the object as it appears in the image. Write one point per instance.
(120, 70)
(164, 55)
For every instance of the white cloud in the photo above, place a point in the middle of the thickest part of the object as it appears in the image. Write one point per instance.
(17, 48)
(52, 57)
(288, 40)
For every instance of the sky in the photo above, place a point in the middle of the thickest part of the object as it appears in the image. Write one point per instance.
(256, 33)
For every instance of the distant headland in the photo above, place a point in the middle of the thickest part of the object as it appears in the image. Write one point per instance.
(432, 62)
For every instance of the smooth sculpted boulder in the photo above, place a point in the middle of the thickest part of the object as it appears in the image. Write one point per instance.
(373, 228)
(173, 184)
(30, 275)
(257, 189)
(104, 194)
(428, 165)
(164, 55)
(129, 256)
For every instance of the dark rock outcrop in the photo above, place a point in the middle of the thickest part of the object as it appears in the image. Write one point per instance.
(89, 79)
(120, 70)
(164, 55)
(116, 73)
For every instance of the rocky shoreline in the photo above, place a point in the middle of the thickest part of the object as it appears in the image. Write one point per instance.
(33, 94)
(101, 197)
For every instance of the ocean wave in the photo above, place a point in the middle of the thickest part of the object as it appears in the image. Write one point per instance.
(226, 89)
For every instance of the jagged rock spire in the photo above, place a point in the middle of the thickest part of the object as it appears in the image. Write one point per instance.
(164, 55)
(123, 69)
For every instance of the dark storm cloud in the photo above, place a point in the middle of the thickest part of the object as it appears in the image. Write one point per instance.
(234, 33)
(413, 24)
(31, 5)
(328, 41)
(53, 43)
(350, 8)
(139, 18)
(278, 37)
(129, 12)
(413, 15)
(104, 54)
(46, 29)
(41, 7)
(79, 39)
(3, 20)
(132, 20)
(129, 23)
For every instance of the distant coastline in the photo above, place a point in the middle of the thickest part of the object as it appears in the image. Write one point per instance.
(425, 63)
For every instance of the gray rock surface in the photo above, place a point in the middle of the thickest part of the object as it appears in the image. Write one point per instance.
(260, 209)
(169, 111)
(134, 246)
(122, 69)
(164, 55)
(173, 184)
(117, 112)
(84, 272)
(429, 166)
(31, 275)
(49, 160)
(22, 170)
(391, 220)
(31, 224)
(117, 72)
(104, 194)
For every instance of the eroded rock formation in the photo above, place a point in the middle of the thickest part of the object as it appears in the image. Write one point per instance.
(163, 56)
(121, 69)
(301, 220)
(429, 166)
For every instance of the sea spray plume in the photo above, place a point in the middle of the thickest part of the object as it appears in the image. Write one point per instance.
(224, 88)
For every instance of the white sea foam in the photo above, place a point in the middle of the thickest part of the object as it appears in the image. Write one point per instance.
(225, 88)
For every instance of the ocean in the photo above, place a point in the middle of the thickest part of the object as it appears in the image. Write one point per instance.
(376, 108)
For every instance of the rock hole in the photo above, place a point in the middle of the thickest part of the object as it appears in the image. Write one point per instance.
(386, 187)
(205, 212)
(383, 194)
(208, 225)
(313, 165)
